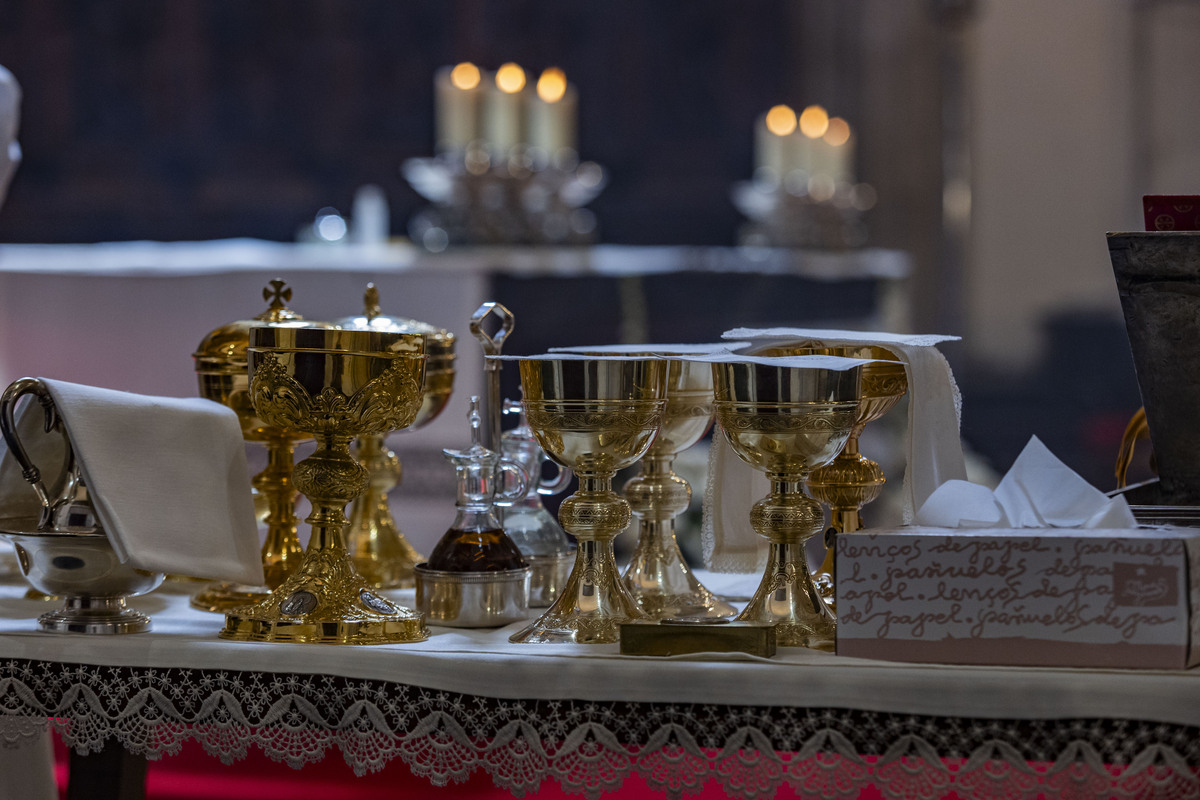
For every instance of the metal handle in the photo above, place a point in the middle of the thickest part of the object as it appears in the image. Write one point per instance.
(492, 344)
(8, 428)
(519, 488)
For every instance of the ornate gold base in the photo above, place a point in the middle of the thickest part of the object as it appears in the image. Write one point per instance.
(663, 586)
(787, 599)
(325, 602)
(222, 597)
(592, 605)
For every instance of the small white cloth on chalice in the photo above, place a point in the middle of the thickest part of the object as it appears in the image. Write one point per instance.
(167, 477)
(934, 449)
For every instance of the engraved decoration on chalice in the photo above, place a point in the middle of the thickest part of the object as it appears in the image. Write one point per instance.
(787, 421)
(381, 552)
(851, 480)
(334, 384)
(596, 416)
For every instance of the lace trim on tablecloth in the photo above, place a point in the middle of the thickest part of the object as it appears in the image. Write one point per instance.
(592, 747)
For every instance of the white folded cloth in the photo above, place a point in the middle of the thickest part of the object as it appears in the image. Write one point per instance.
(1039, 491)
(934, 449)
(167, 477)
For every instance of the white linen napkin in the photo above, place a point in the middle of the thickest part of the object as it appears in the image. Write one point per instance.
(934, 449)
(1039, 491)
(167, 477)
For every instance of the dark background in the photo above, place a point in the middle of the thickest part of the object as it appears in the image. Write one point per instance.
(196, 120)
(206, 119)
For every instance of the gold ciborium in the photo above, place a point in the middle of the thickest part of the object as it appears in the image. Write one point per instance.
(379, 548)
(335, 385)
(657, 576)
(786, 421)
(851, 480)
(221, 369)
(596, 416)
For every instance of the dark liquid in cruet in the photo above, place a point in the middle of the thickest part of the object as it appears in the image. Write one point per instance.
(475, 551)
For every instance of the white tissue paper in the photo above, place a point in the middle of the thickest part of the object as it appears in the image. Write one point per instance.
(1039, 491)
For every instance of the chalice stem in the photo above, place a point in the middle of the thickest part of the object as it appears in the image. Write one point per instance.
(281, 551)
(330, 478)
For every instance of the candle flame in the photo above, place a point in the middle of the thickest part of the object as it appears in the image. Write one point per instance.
(838, 133)
(510, 78)
(781, 120)
(552, 85)
(814, 121)
(465, 75)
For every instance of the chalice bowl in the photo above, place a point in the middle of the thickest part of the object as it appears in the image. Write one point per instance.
(334, 384)
(851, 480)
(787, 420)
(596, 416)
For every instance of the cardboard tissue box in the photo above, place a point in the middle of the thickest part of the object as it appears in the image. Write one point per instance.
(1048, 597)
(1045, 570)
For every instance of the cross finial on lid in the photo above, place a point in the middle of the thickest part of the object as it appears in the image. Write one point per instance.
(277, 293)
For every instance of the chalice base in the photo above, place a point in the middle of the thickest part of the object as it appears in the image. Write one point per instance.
(325, 602)
(591, 606)
(664, 587)
(222, 597)
(95, 615)
(787, 599)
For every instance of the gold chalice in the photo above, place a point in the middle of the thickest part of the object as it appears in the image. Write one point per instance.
(786, 421)
(380, 551)
(221, 368)
(657, 576)
(851, 480)
(595, 416)
(334, 384)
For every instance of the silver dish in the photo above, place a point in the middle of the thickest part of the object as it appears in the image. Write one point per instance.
(83, 569)
(472, 599)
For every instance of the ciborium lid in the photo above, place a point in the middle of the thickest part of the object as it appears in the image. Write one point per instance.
(223, 350)
(439, 342)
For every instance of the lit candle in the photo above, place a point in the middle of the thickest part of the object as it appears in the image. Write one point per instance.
(773, 139)
(456, 107)
(813, 123)
(553, 114)
(503, 109)
(840, 139)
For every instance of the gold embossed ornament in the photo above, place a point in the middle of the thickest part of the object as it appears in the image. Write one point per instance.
(334, 384)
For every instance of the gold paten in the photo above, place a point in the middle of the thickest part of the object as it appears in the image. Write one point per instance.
(595, 416)
(657, 576)
(786, 422)
(335, 385)
(851, 480)
(380, 551)
(221, 367)
(677, 637)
